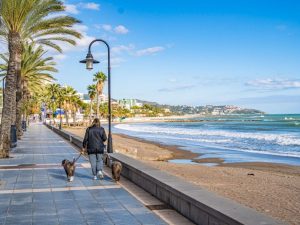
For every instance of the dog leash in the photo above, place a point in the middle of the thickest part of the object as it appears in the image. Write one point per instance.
(77, 157)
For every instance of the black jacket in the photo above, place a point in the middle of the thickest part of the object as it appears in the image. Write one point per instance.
(93, 140)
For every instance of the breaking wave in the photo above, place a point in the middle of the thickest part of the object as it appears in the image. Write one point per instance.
(279, 139)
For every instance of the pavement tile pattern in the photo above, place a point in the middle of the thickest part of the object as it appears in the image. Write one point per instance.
(34, 189)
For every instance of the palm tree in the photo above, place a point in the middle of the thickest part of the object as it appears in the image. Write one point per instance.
(91, 92)
(99, 78)
(76, 103)
(28, 20)
(68, 94)
(53, 94)
(35, 72)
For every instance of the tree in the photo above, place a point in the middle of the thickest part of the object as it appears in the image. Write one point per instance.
(53, 95)
(92, 93)
(68, 94)
(116, 111)
(36, 70)
(99, 78)
(28, 20)
(76, 103)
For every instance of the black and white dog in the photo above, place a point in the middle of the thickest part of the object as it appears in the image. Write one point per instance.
(69, 169)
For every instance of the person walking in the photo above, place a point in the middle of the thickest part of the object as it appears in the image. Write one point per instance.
(93, 143)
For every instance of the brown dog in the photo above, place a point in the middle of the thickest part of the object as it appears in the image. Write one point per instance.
(116, 169)
(69, 169)
(116, 166)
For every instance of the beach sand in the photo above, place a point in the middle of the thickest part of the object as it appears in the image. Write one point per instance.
(273, 189)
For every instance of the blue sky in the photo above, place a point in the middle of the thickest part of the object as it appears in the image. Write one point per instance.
(245, 53)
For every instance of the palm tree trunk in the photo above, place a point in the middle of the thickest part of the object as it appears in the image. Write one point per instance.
(67, 117)
(74, 118)
(18, 105)
(9, 101)
(19, 119)
(91, 109)
(21, 98)
(97, 109)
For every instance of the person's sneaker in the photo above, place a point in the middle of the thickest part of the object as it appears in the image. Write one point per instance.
(100, 175)
(95, 178)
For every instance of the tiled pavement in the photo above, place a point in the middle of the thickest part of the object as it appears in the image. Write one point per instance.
(34, 190)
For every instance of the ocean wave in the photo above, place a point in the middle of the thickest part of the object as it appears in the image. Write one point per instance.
(265, 152)
(289, 118)
(201, 140)
(241, 148)
(280, 139)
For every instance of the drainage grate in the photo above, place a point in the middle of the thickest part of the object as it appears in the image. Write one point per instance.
(158, 207)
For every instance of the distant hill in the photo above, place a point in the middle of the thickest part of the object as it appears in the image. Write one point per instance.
(147, 102)
(208, 109)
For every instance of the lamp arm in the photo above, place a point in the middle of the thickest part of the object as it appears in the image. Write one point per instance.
(90, 45)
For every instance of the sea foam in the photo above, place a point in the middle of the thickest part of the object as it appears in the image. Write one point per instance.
(279, 139)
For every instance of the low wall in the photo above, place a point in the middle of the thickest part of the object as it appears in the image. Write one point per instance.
(197, 204)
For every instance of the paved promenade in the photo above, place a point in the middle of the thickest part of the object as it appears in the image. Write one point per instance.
(34, 190)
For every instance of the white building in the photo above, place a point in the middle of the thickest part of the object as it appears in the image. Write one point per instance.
(129, 103)
(217, 111)
(86, 98)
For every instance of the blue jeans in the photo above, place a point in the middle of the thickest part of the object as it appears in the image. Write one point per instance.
(96, 163)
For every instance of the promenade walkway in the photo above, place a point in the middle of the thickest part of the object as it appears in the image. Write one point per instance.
(34, 190)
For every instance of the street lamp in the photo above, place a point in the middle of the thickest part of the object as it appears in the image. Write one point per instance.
(89, 61)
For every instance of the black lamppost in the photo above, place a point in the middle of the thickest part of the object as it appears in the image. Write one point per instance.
(89, 61)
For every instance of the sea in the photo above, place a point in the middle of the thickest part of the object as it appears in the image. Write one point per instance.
(234, 138)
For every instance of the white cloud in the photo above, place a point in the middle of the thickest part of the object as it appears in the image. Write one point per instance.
(122, 48)
(85, 40)
(80, 27)
(172, 80)
(116, 61)
(106, 27)
(71, 9)
(121, 29)
(97, 26)
(81, 44)
(92, 6)
(273, 84)
(149, 51)
(178, 88)
(59, 57)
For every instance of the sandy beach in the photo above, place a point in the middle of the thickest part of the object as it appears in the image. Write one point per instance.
(273, 189)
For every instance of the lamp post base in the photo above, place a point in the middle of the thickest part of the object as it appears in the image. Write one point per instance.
(109, 144)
